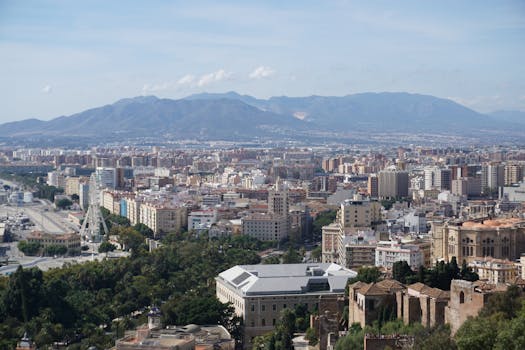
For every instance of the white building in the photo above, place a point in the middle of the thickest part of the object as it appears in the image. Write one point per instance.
(202, 219)
(388, 252)
(260, 292)
(495, 270)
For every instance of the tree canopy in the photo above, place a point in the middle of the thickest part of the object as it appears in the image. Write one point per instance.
(79, 301)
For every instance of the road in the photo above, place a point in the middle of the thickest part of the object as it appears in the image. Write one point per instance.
(9, 269)
(46, 263)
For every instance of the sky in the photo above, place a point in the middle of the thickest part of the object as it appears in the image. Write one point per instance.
(61, 57)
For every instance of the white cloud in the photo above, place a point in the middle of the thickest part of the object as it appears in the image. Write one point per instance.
(261, 72)
(149, 88)
(219, 75)
(186, 80)
(47, 89)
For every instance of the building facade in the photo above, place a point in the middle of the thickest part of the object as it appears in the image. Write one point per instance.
(470, 241)
(260, 292)
(265, 227)
(393, 184)
(162, 219)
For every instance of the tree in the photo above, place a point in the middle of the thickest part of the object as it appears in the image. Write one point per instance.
(292, 256)
(206, 309)
(436, 338)
(513, 335)
(507, 303)
(401, 271)
(106, 247)
(23, 296)
(316, 253)
(55, 249)
(466, 272)
(59, 303)
(144, 230)
(64, 203)
(29, 248)
(479, 333)
(367, 275)
(272, 259)
(75, 197)
(129, 238)
(311, 337)
(353, 340)
(322, 219)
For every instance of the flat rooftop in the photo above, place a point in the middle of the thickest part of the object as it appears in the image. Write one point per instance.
(275, 279)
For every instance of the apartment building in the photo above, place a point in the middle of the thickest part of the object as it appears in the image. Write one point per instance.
(393, 184)
(359, 213)
(162, 218)
(495, 270)
(202, 219)
(265, 227)
(388, 252)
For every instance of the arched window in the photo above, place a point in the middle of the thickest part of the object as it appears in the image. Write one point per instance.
(461, 297)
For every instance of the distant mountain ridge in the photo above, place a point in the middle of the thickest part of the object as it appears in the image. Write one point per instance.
(394, 111)
(234, 116)
(517, 117)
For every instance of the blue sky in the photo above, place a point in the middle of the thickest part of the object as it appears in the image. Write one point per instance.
(61, 57)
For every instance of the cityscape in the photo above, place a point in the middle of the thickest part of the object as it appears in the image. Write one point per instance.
(318, 191)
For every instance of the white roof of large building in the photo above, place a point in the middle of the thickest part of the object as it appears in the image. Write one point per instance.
(287, 278)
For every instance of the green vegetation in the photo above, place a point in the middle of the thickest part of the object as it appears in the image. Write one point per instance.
(292, 256)
(437, 338)
(47, 192)
(114, 220)
(81, 300)
(272, 259)
(34, 248)
(438, 277)
(144, 230)
(26, 180)
(290, 322)
(322, 219)
(64, 203)
(192, 309)
(55, 249)
(311, 337)
(366, 275)
(106, 247)
(500, 325)
(317, 253)
(29, 248)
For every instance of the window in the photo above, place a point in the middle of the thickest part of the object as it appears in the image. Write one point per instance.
(461, 297)
(263, 307)
(273, 322)
(253, 307)
(274, 307)
(263, 322)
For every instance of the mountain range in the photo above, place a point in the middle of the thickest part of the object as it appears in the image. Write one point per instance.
(231, 116)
